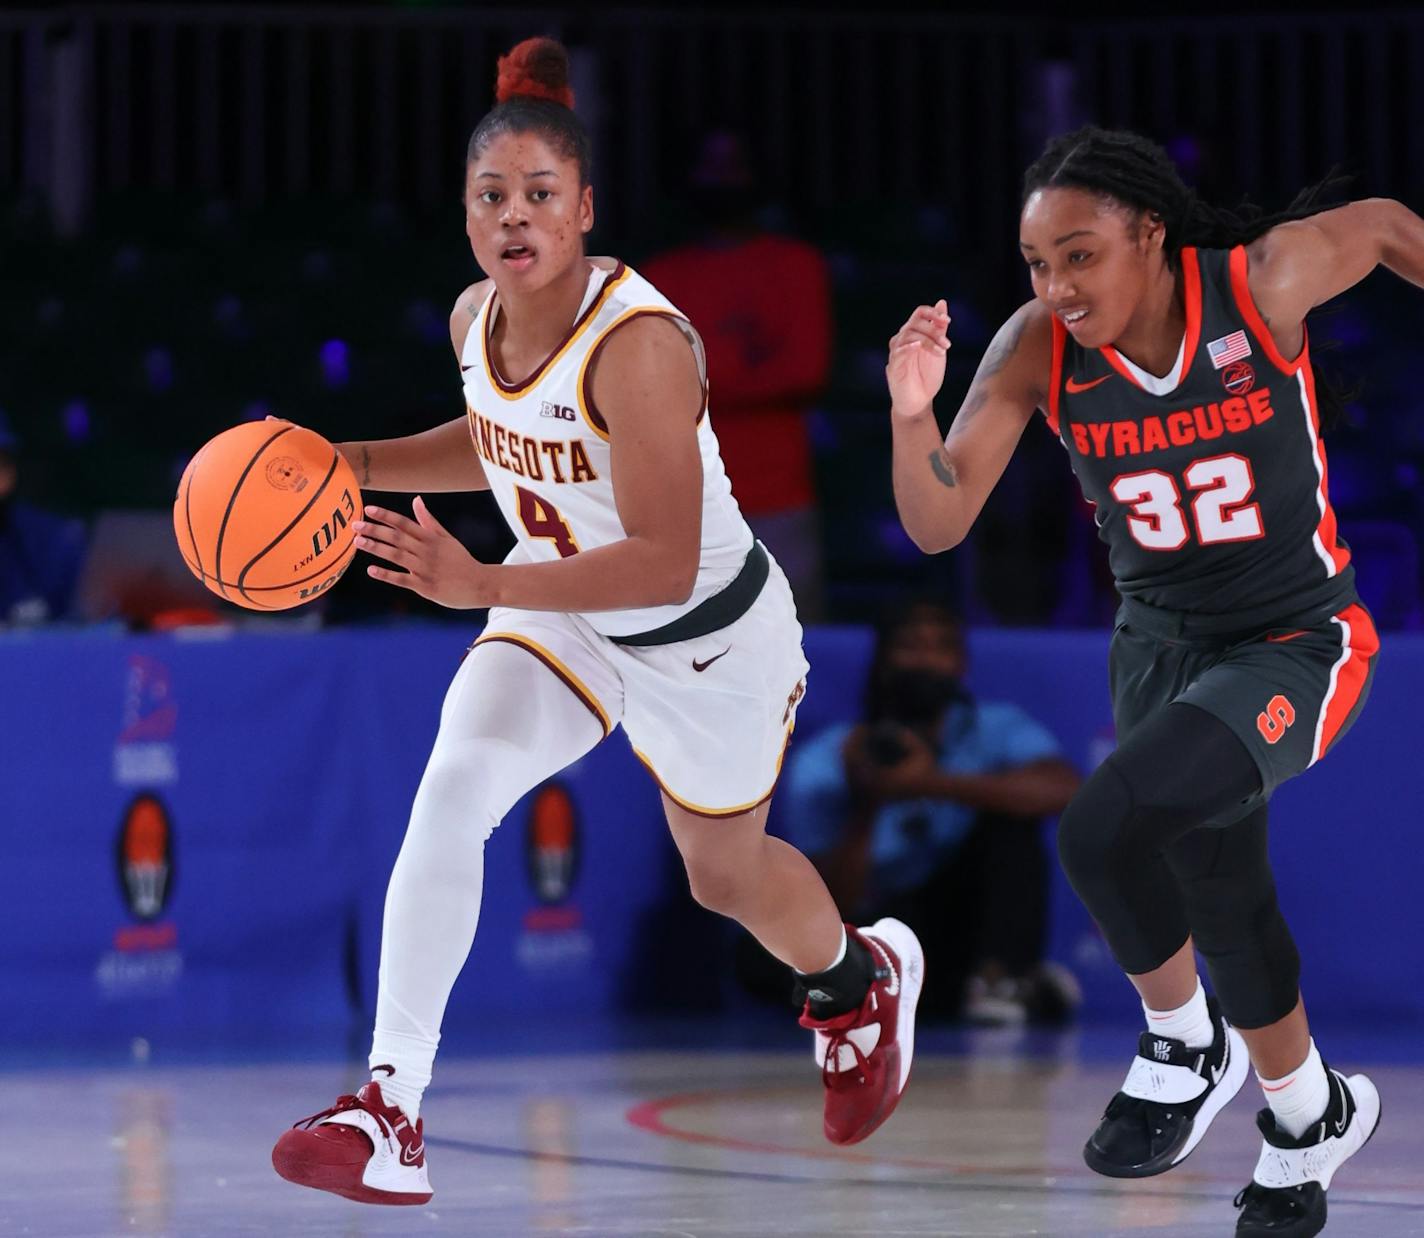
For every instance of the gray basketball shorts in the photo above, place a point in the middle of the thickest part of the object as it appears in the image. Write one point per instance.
(1289, 694)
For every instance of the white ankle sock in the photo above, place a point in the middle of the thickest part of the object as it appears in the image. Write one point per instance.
(1299, 1099)
(1190, 1023)
(407, 1084)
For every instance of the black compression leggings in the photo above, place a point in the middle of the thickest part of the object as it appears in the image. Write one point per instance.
(1134, 847)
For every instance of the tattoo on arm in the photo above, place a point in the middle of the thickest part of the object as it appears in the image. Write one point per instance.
(365, 465)
(943, 468)
(1001, 348)
(473, 308)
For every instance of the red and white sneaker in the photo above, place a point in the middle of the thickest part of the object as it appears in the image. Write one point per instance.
(865, 1054)
(361, 1148)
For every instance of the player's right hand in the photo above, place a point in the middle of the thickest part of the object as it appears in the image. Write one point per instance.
(915, 371)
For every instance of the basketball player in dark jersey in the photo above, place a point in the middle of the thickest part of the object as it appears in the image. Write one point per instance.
(1166, 346)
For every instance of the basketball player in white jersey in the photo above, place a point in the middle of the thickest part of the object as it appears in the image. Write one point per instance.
(635, 594)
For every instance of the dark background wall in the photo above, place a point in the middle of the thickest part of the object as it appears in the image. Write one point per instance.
(211, 212)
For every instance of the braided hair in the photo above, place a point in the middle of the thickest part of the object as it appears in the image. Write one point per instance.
(1133, 170)
(533, 95)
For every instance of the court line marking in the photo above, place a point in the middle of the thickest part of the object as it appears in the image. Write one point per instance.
(748, 1175)
(649, 1116)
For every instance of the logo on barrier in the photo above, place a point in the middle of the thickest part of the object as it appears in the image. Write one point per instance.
(145, 959)
(146, 857)
(552, 843)
(553, 936)
(144, 752)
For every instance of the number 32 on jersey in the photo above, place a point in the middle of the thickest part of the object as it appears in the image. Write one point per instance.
(542, 519)
(1220, 506)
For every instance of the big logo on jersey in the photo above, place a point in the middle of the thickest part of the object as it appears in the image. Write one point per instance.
(560, 460)
(1180, 429)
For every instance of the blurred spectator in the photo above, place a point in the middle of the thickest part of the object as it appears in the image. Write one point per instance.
(930, 809)
(762, 303)
(40, 552)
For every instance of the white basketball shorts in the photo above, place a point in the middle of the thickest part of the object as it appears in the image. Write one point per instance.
(709, 717)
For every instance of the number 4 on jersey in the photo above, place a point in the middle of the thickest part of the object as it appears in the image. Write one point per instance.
(542, 519)
(1220, 510)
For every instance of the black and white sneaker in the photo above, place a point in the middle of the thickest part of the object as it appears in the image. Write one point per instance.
(1286, 1198)
(1167, 1102)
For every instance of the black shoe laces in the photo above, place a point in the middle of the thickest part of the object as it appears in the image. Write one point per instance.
(1149, 1113)
(1268, 1203)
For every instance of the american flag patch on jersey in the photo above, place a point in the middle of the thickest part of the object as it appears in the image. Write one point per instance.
(1229, 348)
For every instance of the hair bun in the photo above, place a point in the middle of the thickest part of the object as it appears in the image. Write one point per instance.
(538, 69)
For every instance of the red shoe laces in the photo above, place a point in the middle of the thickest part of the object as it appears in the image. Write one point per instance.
(837, 1032)
(831, 1073)
(344, 1104)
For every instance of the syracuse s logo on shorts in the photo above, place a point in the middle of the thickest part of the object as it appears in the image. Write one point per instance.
(1275, 719)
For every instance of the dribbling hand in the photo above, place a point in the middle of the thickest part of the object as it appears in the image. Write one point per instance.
(436, 565)
(915, 371)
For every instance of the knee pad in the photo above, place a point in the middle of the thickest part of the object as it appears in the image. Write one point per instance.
(1094, 831)
(1111, 854)
(1251, 957)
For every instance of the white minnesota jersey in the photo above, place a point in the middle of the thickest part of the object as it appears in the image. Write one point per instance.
(546, 449)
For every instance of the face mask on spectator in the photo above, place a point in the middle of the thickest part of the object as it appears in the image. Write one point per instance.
(915, 697)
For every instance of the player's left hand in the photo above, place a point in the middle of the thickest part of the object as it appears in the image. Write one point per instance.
(436, 565)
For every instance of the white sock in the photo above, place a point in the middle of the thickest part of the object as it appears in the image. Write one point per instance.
(507, 724)
(405, 1087)
(1190, 1023)
(1299, 1099)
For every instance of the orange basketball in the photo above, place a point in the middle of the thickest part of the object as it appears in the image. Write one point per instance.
(264, 513)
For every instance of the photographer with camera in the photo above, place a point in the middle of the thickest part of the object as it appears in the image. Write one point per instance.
(930, 810)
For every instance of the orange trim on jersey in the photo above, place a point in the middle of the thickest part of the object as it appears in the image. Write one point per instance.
(584, 388)
(1191, 337)
(514, 391)
(571, 681)
(1325, 530)
(1191, 281)
(1348, 677)
(1110, 354)
(1245, 303)
(1055, 376)
(698, 810)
